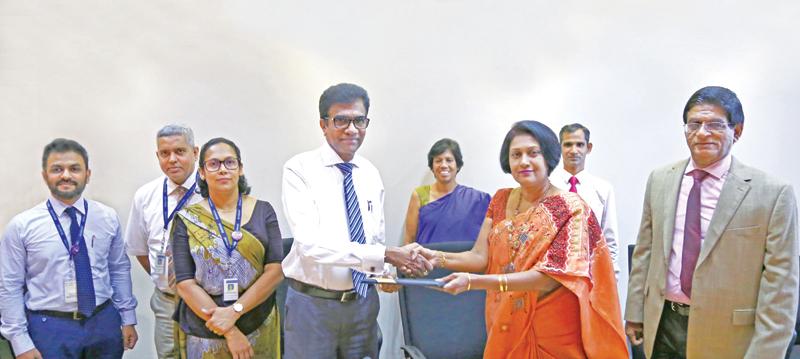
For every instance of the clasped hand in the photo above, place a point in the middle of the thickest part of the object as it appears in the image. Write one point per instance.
(410, 260)
(221, 319)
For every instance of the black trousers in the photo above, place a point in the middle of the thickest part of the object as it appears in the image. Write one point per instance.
(670, 340)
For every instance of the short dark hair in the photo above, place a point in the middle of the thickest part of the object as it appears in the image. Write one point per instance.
(443, 146)
(244, 188)
(61, 145)
(342, 93)
(551, 149)
(719, 96)
(573, 127)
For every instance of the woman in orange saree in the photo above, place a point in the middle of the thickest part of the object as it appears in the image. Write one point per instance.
(551, 291)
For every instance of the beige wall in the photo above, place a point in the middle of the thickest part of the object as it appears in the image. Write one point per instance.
(109, 74)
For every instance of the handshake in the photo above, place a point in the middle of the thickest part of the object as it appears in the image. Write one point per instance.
(413, 259)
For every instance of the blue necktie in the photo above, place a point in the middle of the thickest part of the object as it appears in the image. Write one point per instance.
(83, 267)
(353, 222)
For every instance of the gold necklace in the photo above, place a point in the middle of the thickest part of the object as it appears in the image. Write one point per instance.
(534, 203)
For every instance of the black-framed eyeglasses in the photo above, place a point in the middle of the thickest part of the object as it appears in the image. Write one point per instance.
(361, 122)
(711, 126)
(213, 165)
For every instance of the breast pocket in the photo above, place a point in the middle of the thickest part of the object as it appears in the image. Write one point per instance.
(744, 231)
(370, 216)
(98, 243)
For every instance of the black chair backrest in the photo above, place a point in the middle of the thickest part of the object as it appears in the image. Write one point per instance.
(280, 292)
(441, 325)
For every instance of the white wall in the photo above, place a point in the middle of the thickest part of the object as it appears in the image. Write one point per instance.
(109, 74)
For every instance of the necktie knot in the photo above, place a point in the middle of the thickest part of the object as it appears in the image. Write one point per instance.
(573, 181)
(345, 167)
(71, 213)
(698, 175)
(180, 191)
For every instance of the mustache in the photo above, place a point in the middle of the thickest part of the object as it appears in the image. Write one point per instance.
(67, 182)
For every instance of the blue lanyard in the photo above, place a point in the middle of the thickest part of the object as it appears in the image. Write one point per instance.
(168, 218)
(75, 247)
(237, 233)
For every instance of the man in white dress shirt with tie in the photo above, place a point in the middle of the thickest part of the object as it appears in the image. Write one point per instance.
(65, 281)
(153, 210)
(598, 193)
(333, 201)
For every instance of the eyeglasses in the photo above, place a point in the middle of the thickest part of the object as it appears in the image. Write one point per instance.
(361, 122)
(713, 126)
(213, 165)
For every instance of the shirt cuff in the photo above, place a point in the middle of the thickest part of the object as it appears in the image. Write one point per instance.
(21, 343)
(128, 317)
(372, 262)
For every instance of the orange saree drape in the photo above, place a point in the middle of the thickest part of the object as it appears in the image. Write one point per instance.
(581, 319)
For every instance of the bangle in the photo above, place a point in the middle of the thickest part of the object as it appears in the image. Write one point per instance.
(503, 282)
(442, 259)
(469, 281)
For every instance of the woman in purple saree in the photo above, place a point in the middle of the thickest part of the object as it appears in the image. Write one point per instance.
(445, 210)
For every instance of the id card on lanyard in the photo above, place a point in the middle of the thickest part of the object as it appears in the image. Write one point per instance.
(161, 267)
(230, 285)
(73, 247)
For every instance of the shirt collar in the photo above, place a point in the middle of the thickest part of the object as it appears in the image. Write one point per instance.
(331, 158)
(564, 176)
(717, 169)
(172, 186)
(59, 207)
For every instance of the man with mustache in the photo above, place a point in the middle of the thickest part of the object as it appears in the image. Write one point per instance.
(65, 285)
(598, 193)
(147, 234)
(333, 201)
(715, 269)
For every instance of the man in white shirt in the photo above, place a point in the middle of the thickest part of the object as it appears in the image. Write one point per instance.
(333, 201)
(153, 209)
(598, 193)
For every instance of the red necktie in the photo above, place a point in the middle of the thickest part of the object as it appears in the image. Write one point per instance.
(692, 237)
(572, 182)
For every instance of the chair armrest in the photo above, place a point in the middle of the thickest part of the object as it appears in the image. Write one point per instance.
(411, 352)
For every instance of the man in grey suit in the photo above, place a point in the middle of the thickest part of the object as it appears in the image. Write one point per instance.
(715, 270)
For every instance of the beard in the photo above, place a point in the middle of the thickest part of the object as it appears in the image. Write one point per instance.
(75, 193)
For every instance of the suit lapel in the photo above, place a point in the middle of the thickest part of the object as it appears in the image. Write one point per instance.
(733, 192)
(669, 197)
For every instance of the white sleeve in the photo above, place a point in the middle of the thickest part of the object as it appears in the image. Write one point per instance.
(609, 226)
(136, 230)
(302, 214)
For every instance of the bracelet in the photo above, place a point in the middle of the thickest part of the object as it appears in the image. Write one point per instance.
(469, 282)
(503, 281)
(442, 259)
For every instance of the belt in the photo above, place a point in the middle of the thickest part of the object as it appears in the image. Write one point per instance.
(71, 315)
(314, 291)
(680, 308)
(168, 295)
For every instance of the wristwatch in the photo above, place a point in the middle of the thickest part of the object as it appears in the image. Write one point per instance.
(238, 307)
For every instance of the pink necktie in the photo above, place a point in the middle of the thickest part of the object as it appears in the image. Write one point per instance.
(692, 237)
(572, 182)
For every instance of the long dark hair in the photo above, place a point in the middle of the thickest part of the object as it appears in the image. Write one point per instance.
(244, 188)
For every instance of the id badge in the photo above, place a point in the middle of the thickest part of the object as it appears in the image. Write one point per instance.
(70, 291)
(231, 290)
(161, 264)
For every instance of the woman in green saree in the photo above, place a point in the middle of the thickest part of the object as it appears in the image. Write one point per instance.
(227, 252)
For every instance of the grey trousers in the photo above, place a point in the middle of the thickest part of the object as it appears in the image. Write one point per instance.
(326, 328)
(163, 307)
